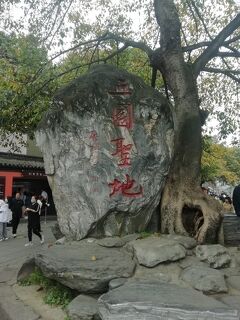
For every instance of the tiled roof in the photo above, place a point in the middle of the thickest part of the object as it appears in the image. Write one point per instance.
(10, 160)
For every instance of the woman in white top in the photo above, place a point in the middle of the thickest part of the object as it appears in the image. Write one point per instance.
(5, 217)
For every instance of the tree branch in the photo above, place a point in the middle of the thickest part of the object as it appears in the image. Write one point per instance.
(130, 43)
(104, 60)
(201, 18)
(168, 21)
(234, 39)
(228, 54)
(230, 73)
(196, 46)
(206, 44)
(59, 26)
(213, 48)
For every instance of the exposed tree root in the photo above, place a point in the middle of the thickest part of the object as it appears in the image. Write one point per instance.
(191, 212)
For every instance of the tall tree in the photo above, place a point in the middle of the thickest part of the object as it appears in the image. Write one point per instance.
(180, 49)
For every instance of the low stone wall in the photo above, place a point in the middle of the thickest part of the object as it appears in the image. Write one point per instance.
(231, 230)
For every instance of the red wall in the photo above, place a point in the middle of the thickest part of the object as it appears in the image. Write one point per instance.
(9, 180)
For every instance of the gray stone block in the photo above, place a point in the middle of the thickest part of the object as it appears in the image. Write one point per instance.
(153, 300)
(86, 267)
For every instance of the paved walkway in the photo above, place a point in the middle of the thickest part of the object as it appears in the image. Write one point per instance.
(12, 255)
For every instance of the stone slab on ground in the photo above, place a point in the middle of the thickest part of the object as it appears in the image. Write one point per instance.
(191, 261)
(26, 269)
(168, 272)
(111, 242)
(154, 250)
(232, 301)
(86, 267)
(32, 297)
(83, 308)
(146, 300)
(115, 283)
(205, 279)
(215, 255)
(234, 282)
(231, 229)
(186, 242)
(12, 308)
(13, 255)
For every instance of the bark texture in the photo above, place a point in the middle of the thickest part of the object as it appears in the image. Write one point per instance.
(183, 201)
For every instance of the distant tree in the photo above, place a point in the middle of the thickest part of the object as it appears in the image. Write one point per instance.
(20, 60)
(220, 162)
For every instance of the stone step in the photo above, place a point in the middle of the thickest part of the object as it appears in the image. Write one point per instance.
(231, 230)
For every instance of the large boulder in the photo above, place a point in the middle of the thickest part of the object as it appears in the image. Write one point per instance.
(107, 142)
(86, 267)
(153, 300)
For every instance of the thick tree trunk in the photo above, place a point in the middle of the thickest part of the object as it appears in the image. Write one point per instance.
(185, 209)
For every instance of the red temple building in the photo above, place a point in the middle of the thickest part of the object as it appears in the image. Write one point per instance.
(23, 172)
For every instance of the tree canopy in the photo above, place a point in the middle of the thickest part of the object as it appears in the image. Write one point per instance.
(84, 32)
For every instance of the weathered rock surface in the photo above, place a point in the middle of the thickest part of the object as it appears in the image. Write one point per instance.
(26, 269)
(107, 144)
(204, 279)
(86, 267)
(234, 282)
(216, 255)
(115, 283)
(162, 272)
(83, 308)
(152, 300)
(111, 242)
(191, 261)
(186, 242)
(154, 250)
(131, 237)
(232, 301)
(57, 232)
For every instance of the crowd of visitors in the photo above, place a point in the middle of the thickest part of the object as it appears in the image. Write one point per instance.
(23, 206)
(229, 204)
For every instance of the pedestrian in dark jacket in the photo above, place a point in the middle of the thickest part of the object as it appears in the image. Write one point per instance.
(236, 200)
(33, 221)
(16, 205)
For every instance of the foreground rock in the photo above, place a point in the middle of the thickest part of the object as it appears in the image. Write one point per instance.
(83, 308)
(215, 255)
(154, 250)
(205, 279)
(102, 123)
(146, 300)
(26, 269)
(86, 267)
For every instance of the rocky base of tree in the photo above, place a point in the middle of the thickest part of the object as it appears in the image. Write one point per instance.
(146, 278)
(186, 210)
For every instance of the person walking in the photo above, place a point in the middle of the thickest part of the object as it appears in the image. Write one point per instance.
(5, 217)
(16, 205)
(236, 200)
(33, 221)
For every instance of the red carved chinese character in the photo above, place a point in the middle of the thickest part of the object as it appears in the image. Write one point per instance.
(122, 88)
(123, 116)
(126, 188)
(123, 152)
(93, 135)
